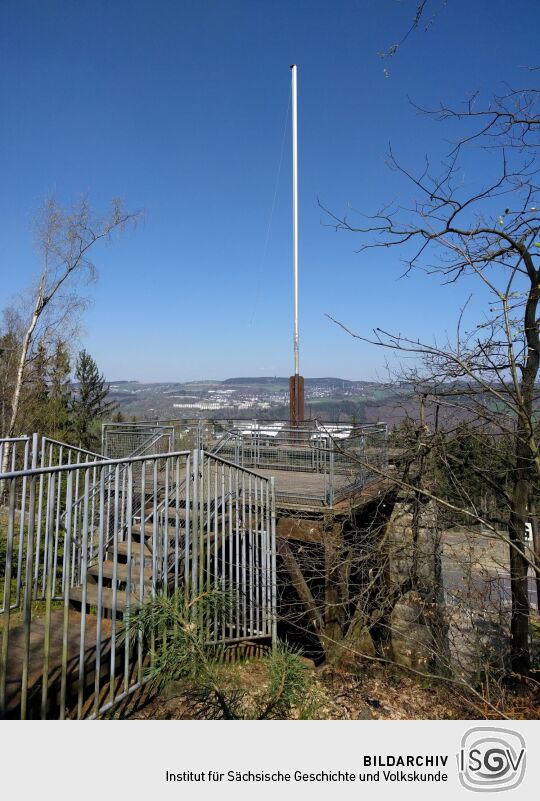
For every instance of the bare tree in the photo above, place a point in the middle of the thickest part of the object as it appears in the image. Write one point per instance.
(455, 229)
(423, 18)
(65, 239)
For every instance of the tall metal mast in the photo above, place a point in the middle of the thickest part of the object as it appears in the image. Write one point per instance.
(295, 213)
(296, 382)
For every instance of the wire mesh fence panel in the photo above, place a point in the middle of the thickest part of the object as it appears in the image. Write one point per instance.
(121, 440)
(358, 460)
(312, 462)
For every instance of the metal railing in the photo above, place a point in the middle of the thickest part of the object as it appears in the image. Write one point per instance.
(315, 463)
(153, 445)
(17, 450)
(121, 440)
(340, 458)
(37, 450)
(71, 570)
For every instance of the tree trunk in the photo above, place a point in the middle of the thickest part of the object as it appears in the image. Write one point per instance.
(519, 566)
(536, 545)
(519, 629)
(333, 583)
(20, 376)
(526, 459)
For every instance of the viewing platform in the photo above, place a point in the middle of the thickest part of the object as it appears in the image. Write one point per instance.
(315, 465)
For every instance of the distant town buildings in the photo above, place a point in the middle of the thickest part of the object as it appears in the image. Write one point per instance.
(241, 398)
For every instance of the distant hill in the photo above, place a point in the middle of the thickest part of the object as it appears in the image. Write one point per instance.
(323, 382)
(327, 398)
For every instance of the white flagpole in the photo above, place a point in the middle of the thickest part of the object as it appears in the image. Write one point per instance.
(295, 218)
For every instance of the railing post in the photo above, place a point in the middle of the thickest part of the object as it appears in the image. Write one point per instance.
(27, 615)
(200, 523)
(194, 525)
(7, 594)
(35, 450)
(331, 487)
(49, 591)
(84, 589)
(273, 601)
(199, 437)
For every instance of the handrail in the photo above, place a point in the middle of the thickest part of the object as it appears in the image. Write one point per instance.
(97, 487)
(113, 477)
(70, 447)
(85, 465)
(238, 466)
(229, 437)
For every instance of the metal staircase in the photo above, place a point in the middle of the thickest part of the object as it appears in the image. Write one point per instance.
(88, 539)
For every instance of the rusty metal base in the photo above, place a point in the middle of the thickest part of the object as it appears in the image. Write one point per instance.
(296, 399)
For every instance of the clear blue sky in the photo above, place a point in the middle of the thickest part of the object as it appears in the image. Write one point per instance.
(179, 108)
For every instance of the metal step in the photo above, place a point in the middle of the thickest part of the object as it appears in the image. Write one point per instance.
(122, 549)
(149, 531)
(92, 597)
(172, 514)
(121, 572)
(180, 509)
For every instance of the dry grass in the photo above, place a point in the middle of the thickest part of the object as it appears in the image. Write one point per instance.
(367, 694)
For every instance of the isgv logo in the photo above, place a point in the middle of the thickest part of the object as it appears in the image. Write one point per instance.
(491, 759)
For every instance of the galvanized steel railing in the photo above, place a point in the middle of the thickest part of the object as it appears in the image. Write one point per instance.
(74, 561)
(30, 453)
(315, 463)
(121, 440)
(344, 457)
(18, 451)
(152, 446)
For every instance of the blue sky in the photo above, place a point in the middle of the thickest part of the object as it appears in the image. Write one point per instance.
(179, 108)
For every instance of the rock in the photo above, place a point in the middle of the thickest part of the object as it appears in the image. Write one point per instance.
(411, 637)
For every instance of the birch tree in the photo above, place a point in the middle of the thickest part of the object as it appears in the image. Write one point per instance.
(66, 240)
